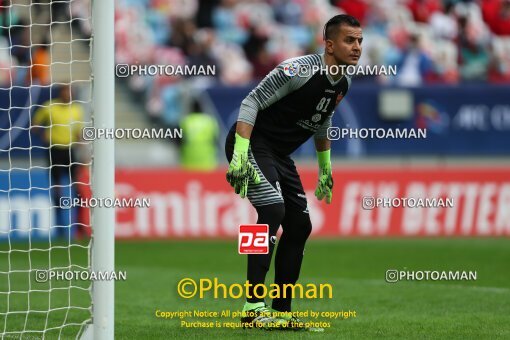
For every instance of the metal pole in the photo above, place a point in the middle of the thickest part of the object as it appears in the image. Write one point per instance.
(103, 168)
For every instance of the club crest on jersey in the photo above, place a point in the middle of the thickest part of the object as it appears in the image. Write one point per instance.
(291, 69)
(316, 117)
(339, 98)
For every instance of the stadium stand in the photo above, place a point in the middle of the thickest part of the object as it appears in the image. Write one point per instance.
(458, 40)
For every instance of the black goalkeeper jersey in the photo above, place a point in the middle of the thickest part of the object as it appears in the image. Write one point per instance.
(293, 102)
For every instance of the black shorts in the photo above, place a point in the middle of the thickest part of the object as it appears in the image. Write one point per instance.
(279, 179)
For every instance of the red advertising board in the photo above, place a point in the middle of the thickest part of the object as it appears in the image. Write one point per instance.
(188, 204)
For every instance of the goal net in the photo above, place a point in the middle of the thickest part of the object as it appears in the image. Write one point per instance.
(45, 100)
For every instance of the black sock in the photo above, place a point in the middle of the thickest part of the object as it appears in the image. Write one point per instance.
(289, 255)
(258, 265)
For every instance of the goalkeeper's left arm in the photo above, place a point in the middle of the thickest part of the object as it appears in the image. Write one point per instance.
(323, 147)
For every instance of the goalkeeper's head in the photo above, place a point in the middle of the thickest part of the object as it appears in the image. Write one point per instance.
(343, 37)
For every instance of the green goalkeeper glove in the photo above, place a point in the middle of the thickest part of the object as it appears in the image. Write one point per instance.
(240, 170)
(325, 184)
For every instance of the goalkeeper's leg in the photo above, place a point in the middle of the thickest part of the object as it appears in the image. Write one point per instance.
(268, 201)
(289, 253)
(255, 311)
(296, 230)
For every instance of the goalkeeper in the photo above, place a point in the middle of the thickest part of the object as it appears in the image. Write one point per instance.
(292, 103)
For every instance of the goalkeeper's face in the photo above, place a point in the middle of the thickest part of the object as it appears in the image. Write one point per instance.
(345, 45)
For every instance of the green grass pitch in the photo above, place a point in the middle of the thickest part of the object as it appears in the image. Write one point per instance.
(354, 267)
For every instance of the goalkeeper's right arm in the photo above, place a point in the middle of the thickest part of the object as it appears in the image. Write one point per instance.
(244, 129)
(273, 87)
(240, 170)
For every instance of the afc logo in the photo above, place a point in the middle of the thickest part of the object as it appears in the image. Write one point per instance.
(253, 239)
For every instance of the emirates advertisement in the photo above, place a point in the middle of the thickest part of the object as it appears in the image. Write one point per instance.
(367, 202)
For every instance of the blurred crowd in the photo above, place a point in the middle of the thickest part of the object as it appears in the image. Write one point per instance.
(27, 34)
(447, 41)
(430, 41)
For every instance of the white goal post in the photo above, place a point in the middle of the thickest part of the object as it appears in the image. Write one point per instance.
(48, 50)
(103, 168)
